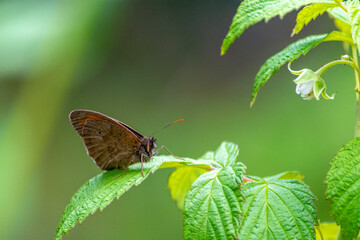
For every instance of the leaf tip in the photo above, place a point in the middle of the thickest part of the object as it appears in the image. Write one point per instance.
(224, 47)
(252, 101)
(58, 235)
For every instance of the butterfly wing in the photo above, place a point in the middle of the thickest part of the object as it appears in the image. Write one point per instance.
(110, 143)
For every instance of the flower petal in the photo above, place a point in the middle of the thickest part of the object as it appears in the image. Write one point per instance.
(305, 88)
(319, 87)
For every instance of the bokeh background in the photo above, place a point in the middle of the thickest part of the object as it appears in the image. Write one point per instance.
(148, 63)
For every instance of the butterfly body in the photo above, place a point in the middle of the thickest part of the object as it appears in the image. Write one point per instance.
(109, 142)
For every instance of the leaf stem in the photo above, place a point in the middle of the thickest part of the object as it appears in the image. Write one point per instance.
(357, 90)
(357, 81)
(324, 68)
(338, 237)
(319, 230)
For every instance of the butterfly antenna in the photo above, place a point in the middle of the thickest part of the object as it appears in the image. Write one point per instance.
(180, 120)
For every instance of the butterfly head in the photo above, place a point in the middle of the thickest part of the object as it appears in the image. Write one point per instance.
(149, 144)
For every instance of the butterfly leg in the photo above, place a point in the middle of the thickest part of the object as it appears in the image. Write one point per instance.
(123, 171)
(142, 160)
(157, 151)
(142, 172)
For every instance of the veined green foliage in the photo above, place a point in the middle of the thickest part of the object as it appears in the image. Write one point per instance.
(311, 13)
(354, 15)
(343, 188)
(251, 12)
(180, 182)
(226, 154)
(278, 208)
(213, 205)
(101, 190)
(182, 178)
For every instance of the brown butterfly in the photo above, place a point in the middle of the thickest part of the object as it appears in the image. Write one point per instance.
(111, 143)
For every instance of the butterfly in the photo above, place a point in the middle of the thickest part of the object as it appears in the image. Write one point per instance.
(113, 144)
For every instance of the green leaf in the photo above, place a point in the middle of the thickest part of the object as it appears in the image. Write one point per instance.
(278, 208)
(226, 154)
(182, 178)
(309, 13)
(342, 22)
(341, 18)
(101, 190)
(343, 188)
(288, 175)
(208, 156)
(251, 12)
(290, 53)
(354, 15)
(180, 182)
(339, 36)
(339, 14)
(213, 205)
(171, 162)
(343, 26)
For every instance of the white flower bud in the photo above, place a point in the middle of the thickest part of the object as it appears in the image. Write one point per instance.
(309, 84)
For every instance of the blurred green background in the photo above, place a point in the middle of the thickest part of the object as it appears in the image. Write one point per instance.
(148, 63)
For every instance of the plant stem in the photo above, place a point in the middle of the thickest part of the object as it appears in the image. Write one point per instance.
(338, 235)
(319, 230)
(357, 88)
(357, 81)
(324, 68)
(354, 65)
